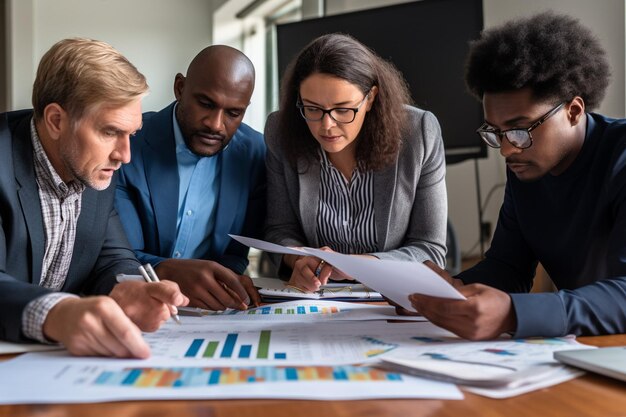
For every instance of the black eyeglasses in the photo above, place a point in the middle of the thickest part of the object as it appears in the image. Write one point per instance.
(520, 138)
(339, 114)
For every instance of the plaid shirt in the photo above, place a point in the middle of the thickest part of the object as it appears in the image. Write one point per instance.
(60, 209)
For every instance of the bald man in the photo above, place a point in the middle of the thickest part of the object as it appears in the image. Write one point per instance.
(197, 174)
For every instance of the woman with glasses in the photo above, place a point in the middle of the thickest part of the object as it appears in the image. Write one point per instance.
(351, 166)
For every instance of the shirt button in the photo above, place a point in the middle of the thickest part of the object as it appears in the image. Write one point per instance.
(189, 212)
(177, 254)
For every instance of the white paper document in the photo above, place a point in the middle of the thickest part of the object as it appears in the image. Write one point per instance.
(37, 378)
(302, 311)
(323, 361)
(275, 343)
(7, 348)
(395, 280)
(497, 369)
(274, 289)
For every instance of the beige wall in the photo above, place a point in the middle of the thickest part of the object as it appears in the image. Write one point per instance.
(159, 36)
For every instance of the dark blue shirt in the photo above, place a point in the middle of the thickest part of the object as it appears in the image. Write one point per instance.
(575, 225)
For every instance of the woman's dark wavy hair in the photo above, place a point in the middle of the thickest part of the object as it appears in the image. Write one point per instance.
(344, 57)
(554, 55)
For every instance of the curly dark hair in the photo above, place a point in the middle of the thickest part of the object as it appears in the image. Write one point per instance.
(344, 57)
(554, 55)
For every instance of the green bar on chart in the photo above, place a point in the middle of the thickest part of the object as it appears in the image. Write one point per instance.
(264, 344)
(210, 349)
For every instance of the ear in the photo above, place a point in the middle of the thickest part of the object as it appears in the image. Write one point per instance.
(179, 85)
(371, 96)
(55, 120)
(575, 110)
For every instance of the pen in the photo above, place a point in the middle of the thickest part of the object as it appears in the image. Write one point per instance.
(150, 275)
(318, 270)
(198, 312)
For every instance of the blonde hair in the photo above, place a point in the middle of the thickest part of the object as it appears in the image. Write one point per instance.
(82, 74)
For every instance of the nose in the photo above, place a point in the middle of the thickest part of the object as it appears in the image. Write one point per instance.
(122, 150)
(327, 121)
(214, 120)
(506, 149)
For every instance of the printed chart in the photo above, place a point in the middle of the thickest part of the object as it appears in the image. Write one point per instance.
(277, 344)
(201, 376)
(514, 354)
(56, 377)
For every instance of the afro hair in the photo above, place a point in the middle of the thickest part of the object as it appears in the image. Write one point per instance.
(553, 55)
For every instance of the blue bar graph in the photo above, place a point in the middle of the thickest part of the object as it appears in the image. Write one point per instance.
(194, 348)
(280, 355)
(229, 345)
(244, 351)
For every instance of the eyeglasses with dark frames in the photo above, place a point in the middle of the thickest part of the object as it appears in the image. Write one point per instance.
(342, 115)
(519, 137)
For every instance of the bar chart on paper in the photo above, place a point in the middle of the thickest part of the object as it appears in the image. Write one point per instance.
(167, 377)
(230, 346)
(301, 310)
(277, 343)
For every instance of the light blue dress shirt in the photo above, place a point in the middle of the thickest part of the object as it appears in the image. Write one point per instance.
(197, 200)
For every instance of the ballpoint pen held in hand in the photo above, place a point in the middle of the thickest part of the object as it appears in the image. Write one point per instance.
(149, 274)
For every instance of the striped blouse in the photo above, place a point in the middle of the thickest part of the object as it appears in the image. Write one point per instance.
(345, 216)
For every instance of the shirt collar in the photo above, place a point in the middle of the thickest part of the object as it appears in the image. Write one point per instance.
(48, 173)
(183, 153)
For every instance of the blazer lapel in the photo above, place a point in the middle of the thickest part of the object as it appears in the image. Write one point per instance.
(84, 227)
(232, 196)
(28, 195)
(309, 181)
(384, 196)
(162, 177)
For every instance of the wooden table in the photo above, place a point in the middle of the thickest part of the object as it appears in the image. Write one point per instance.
(590, 395)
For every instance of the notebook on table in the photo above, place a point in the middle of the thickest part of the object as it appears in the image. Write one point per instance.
(609, 361)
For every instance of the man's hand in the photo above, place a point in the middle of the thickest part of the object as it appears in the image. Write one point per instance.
(148, 304)
(455, 282)
(485, 314)
(209, 284)
(94, 326)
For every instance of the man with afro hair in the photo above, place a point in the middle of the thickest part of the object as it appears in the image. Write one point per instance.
(565, 198)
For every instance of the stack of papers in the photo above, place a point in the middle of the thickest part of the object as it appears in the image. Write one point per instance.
(497, 369)
(274, 289)
(396, 280)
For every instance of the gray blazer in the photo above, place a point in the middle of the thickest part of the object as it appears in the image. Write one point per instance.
(100, 248)
(410, 202)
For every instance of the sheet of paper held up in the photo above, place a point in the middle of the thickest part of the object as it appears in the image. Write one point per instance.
(395, 280)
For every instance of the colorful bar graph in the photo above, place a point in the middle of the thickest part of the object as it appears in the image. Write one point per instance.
(202, 376)
(268, 310)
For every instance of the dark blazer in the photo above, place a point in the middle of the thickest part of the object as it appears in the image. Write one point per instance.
(147, 193)
(410, 200)
(100, 250)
